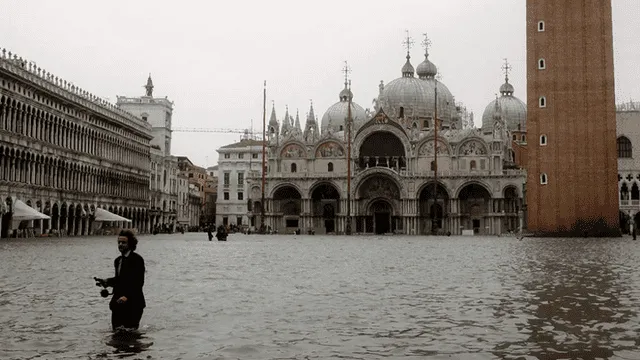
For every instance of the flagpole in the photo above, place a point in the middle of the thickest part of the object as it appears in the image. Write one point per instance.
(264, 155)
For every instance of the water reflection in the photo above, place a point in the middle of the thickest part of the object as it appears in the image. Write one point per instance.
(128, 342)
(578, 302)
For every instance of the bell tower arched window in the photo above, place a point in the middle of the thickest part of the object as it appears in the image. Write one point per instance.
(625, 149)
(330, 167)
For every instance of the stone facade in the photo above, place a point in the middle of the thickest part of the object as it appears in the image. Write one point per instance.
(236, 163)
(628, 131)
(572, 164)
(405, 178)
(163, 201)
(66, 152)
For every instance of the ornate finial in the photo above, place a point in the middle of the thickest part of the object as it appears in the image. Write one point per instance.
(149, 86)
(408, 43)
(347, 71)
(349, 84)
(273, 103)
(506, 68)
(426, 43)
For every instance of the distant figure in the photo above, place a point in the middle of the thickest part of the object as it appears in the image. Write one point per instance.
(221, 233)
(209, 233)
(127, 303)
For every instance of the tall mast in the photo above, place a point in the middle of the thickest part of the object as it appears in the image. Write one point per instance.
(436, 125)
(264, 154)
(349, 121)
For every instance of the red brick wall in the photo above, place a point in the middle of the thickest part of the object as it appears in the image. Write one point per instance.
(579, 119)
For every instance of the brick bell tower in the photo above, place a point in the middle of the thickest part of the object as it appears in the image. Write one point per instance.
(572, 181)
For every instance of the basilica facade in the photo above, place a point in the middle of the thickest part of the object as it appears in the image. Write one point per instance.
(407, 176)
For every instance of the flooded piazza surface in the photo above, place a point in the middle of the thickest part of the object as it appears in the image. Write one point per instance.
(315, 297)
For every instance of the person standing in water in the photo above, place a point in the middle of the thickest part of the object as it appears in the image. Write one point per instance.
(127, 303)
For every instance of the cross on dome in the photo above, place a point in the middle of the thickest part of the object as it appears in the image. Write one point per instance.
(346, 70)
(426, 43)
(506, 68)
(408, 43)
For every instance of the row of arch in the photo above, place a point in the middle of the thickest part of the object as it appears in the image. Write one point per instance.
(76, 219)
(20, 118)
(382, 139)
(508, 190)
(36, 169)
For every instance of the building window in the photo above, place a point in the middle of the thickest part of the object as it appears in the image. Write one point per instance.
(515, 137)
(543, 179)
(341, 127)
(542, 102)
(401, 115)
(240, 195)
(227, 156)
(226, 195)
(541, 64)
(238, 220)
(524, 138)
(540, 26)
(433, 166)
(240, 178)
(543, 140)
(226, 178)
(625, 149)
(294, 168)
(330, 167)
(225, 221)
(241, 156)
(254, 155)
(472, 165)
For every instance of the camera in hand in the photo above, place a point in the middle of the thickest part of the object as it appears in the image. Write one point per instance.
(104, 292)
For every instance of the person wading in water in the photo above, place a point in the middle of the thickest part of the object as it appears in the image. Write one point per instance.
(127, 303)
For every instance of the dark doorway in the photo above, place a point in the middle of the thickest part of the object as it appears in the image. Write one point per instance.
(329, 215)
(382, 221)
(476, 226)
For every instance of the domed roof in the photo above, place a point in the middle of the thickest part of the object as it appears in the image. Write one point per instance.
(512, 110)
(337, 113)
(409, 97)
(426, 69)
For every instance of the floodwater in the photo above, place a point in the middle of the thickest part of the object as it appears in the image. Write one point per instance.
(315, 297)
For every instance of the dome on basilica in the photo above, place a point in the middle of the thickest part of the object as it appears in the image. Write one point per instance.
(411, 97)
(512, 110)
(337, 113)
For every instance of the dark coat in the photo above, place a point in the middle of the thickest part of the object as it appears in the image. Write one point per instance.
(129, 283)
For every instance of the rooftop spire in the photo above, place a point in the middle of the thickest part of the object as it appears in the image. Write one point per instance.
(346, 93)
(506, 68)
(407, 69)
(506, 89)
(426, 43)
(426, 69)
(149, 86)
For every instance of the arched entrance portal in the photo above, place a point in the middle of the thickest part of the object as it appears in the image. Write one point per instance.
(381, 212)
(433, 208)
(382, 149)
(474, 208)
(287, 206)
(326, 202)
(378, 193)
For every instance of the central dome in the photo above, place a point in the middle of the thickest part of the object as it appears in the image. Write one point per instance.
(409, 97)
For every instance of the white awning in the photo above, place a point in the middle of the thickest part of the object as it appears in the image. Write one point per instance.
(104, 215)
(22, 211)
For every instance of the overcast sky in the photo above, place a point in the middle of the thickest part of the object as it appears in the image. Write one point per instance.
(211, 57)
